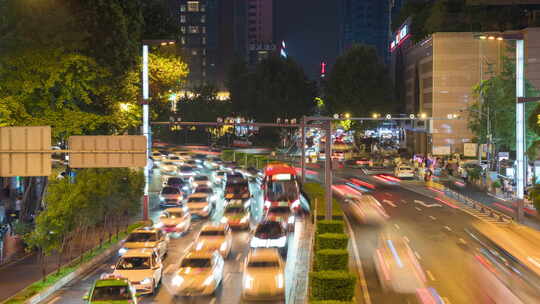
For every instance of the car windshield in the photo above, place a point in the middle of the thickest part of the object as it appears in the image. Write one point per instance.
(133, 263)
(175, 214)
(405, 168)
(263, 264)
(212, 232)
(170, 190)
(282, 191)
(203, 190)
(111, 293)
(186, 169)
(269, 230)
(141, 237)
(169, 163)
(174, 158)
(235, 209)
(196, 263)
(236, 190)
(201, 178)
(220, 174)
(197, 200)
(280, 209)
(174, 181)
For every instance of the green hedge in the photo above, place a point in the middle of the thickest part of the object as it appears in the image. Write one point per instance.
(332, 226)
(332, 285)
(332, 259)
(331, 241)
(227, 155)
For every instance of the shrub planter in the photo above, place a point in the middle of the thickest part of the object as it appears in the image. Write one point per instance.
(332, 241)
(332, 285)
(332, 259)
(330, 227)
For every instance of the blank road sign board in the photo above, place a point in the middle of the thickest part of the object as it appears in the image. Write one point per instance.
(107, 151)
(25, 151)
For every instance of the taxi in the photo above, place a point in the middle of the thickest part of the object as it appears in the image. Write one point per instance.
(200, 273)
(111, 289)
(264, 276)
(142, 267)
(215, 237)
(146, 237)
(199, 204)
(175, 220)
(236, 215)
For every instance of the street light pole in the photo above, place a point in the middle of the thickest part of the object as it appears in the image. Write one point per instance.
(303, 149)
(146, 129)
(328, 169)
(520, 129)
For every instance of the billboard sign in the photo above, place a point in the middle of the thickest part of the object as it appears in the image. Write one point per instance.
(25, 151)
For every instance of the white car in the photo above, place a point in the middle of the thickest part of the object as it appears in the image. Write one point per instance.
(175, 159)
(147, 237)
(199, 204)
(175, 220)
(186, 172)
(142, 267)
(200, 273)
(200, 180)
(215, 237)
(264, 276)
(170, 197)
(404, 171)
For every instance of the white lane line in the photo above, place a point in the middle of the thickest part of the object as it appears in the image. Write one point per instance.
(54, 300)
(358, 261)
(432, 217)
(430, 275)
(445, 300)
(426, 205)
(462, 241)
(418, 209)
(397, 226)
(447, 228)
(227, 277)
(417, 255)
(213, 301)
(406, 239)
(403, 201)
(389, 203)
(238, 257)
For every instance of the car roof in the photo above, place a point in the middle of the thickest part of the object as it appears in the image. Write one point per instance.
(112, 282)
(214, 227)
(264, 254)
(198, 194)
(147, 229)
(175, 210)
(199, 255)
(138, 252)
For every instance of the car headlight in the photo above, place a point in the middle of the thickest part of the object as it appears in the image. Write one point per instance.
(177, 280)
(205, 208)
(295, 204)
(267, 204)
(182, 224)
(208, 281)
(224, 220)
(199, 246)
(291, 219)
(161, 199)
(248, 281)
(279, 280)
(146, 281)
(244, 219)
(223, 246)
(185, 188)
(122, 251)
(256, 242)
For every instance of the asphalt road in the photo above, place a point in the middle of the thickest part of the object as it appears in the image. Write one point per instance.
(231, 287)
(435, 232)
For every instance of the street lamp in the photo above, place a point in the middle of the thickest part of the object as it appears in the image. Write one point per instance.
(375, 115)
(146, 116)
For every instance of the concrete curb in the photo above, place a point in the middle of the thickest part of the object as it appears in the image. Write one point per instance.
(82, 269)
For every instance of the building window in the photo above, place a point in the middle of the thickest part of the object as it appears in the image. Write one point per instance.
(203, 18)
(183, 8)
(183, 18)
(183, 40)
(203, 8)
(194, 52)
(183, 29)
(203, 73)
(203, 29)
(204, 62)
(193, 6)
(203, 40)
(204, 52)
(193, 29)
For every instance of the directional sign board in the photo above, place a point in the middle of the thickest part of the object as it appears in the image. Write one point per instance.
(107, 151)
(25, 151)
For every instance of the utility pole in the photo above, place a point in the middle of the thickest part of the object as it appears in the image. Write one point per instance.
(303, 149)
(328, 169)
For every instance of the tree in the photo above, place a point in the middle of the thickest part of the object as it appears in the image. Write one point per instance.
(359, 84)
(495, 98)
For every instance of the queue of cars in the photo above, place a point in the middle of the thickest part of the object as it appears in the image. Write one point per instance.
(188, 194)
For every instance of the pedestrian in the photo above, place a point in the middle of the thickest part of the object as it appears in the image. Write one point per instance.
(18, 206)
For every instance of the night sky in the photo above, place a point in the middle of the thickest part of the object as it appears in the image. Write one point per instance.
(311, 30)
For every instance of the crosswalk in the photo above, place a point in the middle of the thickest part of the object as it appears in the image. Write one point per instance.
(484, 216)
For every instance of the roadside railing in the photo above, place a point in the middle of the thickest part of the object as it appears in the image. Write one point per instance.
(502, 217)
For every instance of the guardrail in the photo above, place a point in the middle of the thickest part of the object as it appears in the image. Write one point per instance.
(502, 217)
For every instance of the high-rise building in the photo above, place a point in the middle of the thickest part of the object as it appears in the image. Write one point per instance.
(198, 39)
(260, 29)
(366, 22)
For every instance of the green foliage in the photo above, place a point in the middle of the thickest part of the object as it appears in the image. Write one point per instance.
(332, 285)
(495, 98)
(330, 226)
(331, 241)
(97, 196)
(316, 194)
(359, 81)
(534, 196)
(277, 87)
(496, 184)
(227, 155)
(474, 173)
(332, 259)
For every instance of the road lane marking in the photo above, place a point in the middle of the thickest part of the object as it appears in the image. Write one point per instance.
(426, 205)
(462, 241)
(445, 300)
(406, 239)
(389, 203)
(418, 209)
(447, 228)
(397, 226)
(417, 255)
(432, 217)
(430, 275)
(54, 300)
(238, 257)
(358, 261)
(403, 201)
(213, 301)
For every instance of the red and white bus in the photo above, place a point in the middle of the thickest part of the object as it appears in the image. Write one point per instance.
(281, 187)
